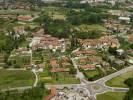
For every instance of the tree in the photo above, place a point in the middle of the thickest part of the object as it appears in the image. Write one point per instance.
(129, 82)
(129, 95)
(16, 66)
(73, 70)
(112, 50)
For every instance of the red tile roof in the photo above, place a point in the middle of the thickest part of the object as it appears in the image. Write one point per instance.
(24, 17)
(84, 52)
(40, 32)
(95, 59)
(130, 38)
(88, 67)
(53, 62)
(18, 29)
(95, 42)
(54, 70)
(53, 93)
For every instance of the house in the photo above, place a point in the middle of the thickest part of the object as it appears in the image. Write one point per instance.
(88, 67)
(53, 63)
(26, 18)
(120, 52)
(96, 60)
(22, 51)
(130, 38)
(113, 2)
(65, 59)
(40, 67)
(124, 19)
(40, 32)
(130, 60)
(82, 61)
(119, 63)
(105, 64)
(111, 59)
(130, 52)
(85, 52)
(65, 62)
(53, 93)
(103, 42)
(19, 30)
(56, 70)
(119, 12)
(48, 42)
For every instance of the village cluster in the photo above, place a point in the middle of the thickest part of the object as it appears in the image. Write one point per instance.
(56, 59)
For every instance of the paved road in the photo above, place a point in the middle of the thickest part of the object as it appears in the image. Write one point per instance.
(109, 77)
(98, 86)
(93, 88)
(36, 78)
(17, 88)
(79, 75)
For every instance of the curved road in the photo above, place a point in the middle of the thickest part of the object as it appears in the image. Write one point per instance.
(94, 88)
(100, 83)
(36, 78)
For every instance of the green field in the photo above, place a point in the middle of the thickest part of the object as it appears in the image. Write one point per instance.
(111, 96)
(119, 81)
(93, 74)
(61, 78)
(55, 12)
(18, 11)
(88, 28)
(10, 78)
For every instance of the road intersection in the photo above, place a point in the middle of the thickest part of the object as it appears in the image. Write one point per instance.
(92, 87)
(99, 86)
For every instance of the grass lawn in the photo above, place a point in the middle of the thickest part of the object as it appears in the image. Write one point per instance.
(92, 73)
(24, 44)
(111, 96)
(62, 78)
(88, 28)
(20, 60)
(18, 11)
(119, 81)
(37, 55)
(10, 79)
(59, 16)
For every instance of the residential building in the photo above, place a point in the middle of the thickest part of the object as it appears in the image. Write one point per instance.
(26, 18)
(124, 19)
(56, 70)
(103, 42)
(88, 67)
(48, 42)
(19, 30)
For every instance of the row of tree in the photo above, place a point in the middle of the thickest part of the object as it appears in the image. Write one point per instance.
(129, 95)
(36, 93)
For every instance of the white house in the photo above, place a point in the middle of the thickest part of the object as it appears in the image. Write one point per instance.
(124, 19)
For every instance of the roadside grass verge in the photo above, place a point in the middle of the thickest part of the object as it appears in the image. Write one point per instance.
(119, 80)
(111, 96)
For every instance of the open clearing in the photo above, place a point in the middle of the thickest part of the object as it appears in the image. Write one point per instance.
(17, 78)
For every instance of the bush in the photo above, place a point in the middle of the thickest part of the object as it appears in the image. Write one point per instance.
(16, 66)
